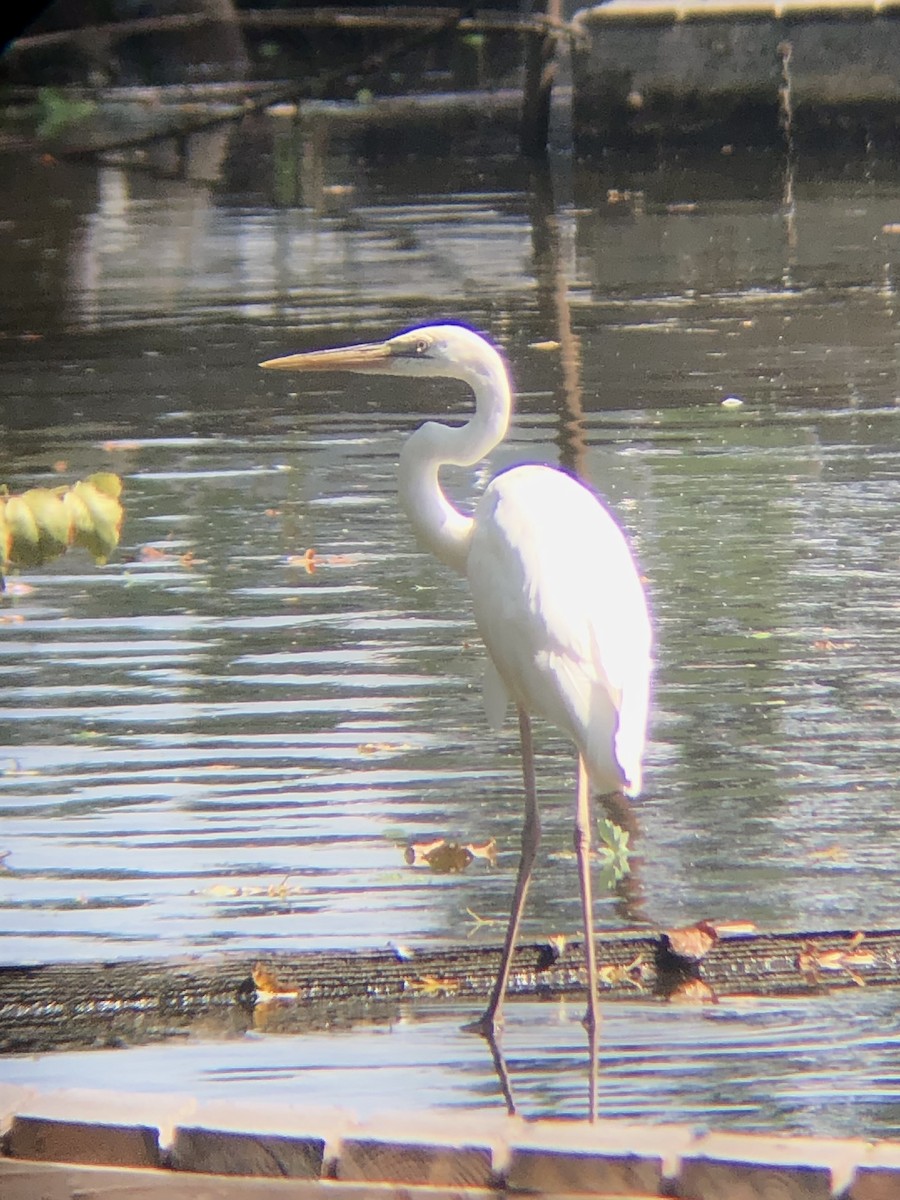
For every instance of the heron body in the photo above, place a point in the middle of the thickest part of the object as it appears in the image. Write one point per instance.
(552, 579)
(557, 598)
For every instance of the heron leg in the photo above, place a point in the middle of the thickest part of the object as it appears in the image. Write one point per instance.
(583, 855)
(531, 837)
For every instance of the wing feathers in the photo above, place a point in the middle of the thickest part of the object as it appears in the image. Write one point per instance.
(562, 611)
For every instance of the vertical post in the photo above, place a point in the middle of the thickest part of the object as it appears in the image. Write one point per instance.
(540, 75)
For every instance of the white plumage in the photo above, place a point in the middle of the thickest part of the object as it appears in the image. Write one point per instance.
(557, 597)
(561, 609)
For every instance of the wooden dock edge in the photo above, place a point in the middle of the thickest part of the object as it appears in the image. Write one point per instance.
(109, 1145)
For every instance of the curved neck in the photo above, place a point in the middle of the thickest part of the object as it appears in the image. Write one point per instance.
(440, 526)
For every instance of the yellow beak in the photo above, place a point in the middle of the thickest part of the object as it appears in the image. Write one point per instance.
(368, 356)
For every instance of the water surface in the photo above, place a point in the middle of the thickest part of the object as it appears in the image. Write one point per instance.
(206, 746)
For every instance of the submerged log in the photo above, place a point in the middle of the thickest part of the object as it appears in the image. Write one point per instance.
(57, 1005)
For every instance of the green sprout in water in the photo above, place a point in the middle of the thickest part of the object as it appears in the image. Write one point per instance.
(56, 110)
(614, 853)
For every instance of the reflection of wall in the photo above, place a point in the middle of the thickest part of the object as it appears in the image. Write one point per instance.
(41, 206)
(726, 229)
(157, 247)
(777, 312)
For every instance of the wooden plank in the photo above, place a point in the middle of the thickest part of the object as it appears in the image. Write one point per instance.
(52, 1005)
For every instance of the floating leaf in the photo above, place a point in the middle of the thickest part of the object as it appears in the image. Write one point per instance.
(692, 942)
(445, 858)
(20, 534)
(486, 850)
(834, 853)
(52, 521)
(813, 960)
(432, 985)
(631, 974)
(614, 853)
(693, 991)
(100, 495)
(307, 560)
(441, 856)
(43, 523)
(268, 986)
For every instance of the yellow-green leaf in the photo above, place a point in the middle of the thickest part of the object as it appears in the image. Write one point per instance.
(52, 520)
(42, 523)
(24, 534)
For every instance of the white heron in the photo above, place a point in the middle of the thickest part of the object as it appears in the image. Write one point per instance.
(557, 598)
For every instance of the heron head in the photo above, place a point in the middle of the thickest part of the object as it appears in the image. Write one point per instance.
(445, 351)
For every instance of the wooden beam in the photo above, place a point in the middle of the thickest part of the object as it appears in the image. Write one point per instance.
(53, 1005)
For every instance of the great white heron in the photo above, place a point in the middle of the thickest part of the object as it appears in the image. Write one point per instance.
(557, 598)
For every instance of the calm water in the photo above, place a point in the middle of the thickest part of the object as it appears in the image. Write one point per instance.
(206, 746)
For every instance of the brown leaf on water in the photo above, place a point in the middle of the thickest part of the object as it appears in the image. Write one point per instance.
(813, 960)
(446, 858)
(694, 991)
(441, 856)
(378, 747)
(306, 560)
(692, 942)
(432, 985)
(416, 852)
(160, 554)
(267, 983)
(630, 974)
(833, 853)
(487, 850)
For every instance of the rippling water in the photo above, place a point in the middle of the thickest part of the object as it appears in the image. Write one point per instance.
(205, 745)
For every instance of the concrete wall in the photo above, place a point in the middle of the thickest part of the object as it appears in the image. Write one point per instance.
(715, 70)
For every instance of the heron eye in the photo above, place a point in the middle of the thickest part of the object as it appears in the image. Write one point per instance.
(421, 347)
